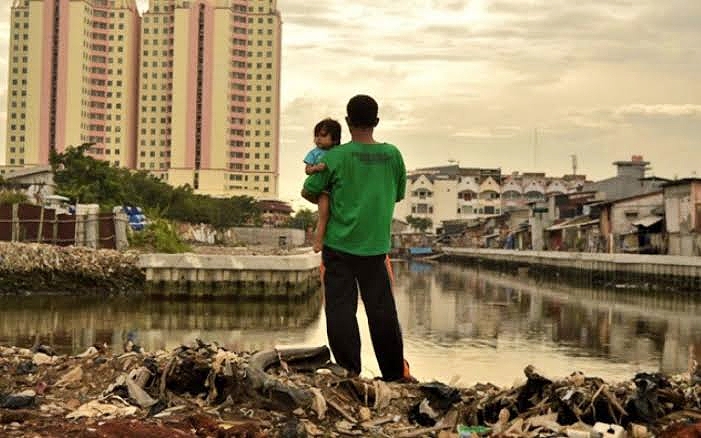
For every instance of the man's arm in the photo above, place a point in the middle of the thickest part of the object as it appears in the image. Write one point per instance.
(401, 179)
(309, 196)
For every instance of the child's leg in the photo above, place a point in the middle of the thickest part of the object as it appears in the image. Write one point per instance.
(323, 205)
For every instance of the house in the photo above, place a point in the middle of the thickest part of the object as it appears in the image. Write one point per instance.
(556, 209)
(36, 182)
(512, 194)
(451, 192)
(453, 231)
(275, 213)
(682, 211)
(570, 205)
(518, 235)
(630, 180)
(476, 232)
(540, 218)
(621, 220)
(447, 193)
(516, 218)
(468, 203)
(575, 234)
(399, 226)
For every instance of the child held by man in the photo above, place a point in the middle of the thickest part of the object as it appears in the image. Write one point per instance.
(327, 134)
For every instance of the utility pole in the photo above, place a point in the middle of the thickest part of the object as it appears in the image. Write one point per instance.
(535, 148)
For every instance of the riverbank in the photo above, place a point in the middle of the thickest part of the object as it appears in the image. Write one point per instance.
(643, 272)
(205, 390)
(240, 272)
(33, 267)
(262, 277)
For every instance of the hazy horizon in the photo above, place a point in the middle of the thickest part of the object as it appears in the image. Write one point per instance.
(472, 81)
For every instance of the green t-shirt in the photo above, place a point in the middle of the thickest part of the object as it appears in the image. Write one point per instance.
(364, 181)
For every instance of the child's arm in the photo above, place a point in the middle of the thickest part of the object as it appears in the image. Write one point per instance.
(314, 168)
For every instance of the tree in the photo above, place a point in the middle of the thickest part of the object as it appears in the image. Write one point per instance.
(419, 223)
(85, 179)
(234, 211)
(303, 219)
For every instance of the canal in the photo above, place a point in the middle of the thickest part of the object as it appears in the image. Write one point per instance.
(460, 325)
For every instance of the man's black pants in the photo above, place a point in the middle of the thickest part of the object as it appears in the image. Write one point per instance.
(344, 274)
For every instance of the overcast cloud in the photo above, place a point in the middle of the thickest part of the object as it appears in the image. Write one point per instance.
(473, 80)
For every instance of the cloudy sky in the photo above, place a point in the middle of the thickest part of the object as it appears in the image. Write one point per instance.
(474, 80)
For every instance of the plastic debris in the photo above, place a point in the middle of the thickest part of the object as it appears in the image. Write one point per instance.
(203, 389)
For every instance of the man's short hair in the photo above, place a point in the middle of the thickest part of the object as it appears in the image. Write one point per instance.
(329, 126)
(362, 111)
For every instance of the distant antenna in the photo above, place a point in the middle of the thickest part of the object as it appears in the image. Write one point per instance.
(535, 148)
(574, 164)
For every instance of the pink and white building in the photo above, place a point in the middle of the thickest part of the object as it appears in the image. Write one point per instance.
(188, 91)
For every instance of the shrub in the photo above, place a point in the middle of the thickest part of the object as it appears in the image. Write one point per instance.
(158, 236)
(11, 197)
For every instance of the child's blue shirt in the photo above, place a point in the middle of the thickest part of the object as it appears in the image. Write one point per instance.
(314, 155)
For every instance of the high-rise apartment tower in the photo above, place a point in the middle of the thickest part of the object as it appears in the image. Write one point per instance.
(189, 90)
(72, 79)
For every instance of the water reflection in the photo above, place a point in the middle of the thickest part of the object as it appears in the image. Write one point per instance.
(474, 325)
(71, 323)
(487, 326)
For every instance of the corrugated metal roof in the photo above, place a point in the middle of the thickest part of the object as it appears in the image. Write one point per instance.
(647, 221)
(564, 225)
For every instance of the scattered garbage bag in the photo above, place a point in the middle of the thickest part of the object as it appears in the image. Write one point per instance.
(440, 395)
(157, 408)
(535, 386)
(26, 367)
(644, 406)
(423, 414)
(439, 398)
(21, 400)
(46, 349)
(293, 428)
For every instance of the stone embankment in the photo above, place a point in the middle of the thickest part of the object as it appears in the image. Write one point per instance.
(48, 268)
(611, 271)
(250, 273)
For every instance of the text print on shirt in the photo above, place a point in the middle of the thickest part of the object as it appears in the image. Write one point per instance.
(372, 158)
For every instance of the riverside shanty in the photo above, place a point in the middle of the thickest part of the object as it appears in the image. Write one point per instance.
(204, 390)
(32, 267)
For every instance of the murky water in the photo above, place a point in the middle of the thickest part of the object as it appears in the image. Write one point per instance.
(459, 324)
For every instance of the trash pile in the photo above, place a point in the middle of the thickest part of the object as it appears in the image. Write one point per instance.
(204, 390)
(34, 267)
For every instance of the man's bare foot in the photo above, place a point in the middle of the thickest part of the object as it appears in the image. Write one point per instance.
(316, 246)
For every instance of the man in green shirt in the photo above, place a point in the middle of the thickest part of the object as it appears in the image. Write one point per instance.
(364, 179)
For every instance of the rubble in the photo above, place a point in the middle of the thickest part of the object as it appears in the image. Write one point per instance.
(203, 390)
(35, 267)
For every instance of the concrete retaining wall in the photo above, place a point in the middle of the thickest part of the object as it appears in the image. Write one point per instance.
(258, 236)
(277, 277)
(285, 237)
(607, 270)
